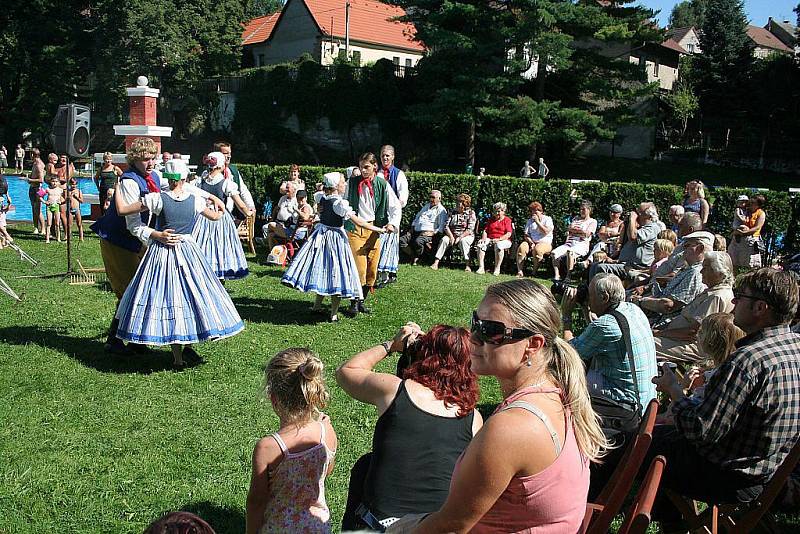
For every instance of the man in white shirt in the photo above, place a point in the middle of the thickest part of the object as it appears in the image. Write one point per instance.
(233, 173)
(285, 211)
(390, 246)
(426, 226)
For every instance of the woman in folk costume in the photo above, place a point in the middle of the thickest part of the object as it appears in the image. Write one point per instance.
(390, 246)
(325, 264)
(175, 297)
(218, 239)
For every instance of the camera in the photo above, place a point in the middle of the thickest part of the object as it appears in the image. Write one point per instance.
(671, 365)
(560, 286)
(409, 355)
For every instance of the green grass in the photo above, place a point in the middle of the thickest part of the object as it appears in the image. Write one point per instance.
(92, 443)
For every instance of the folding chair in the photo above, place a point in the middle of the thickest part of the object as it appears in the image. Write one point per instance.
(246, 231)
(737, 518)
(638, 518)
(599, 515)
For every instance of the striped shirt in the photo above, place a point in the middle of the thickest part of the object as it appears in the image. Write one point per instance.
(749, 418)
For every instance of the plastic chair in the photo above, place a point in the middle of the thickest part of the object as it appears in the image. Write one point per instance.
(599, 515)
(737, 518)
(639, 515)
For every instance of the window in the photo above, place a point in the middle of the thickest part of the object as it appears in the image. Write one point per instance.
(655, 67)
(408, 63)
(690, 48)
(261, 61)
(396, 60)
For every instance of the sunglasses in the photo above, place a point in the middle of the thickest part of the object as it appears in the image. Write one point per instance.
(495, 332)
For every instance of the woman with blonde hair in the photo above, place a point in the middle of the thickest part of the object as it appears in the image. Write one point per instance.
(695, 200)
(527, 470)
(106, 180)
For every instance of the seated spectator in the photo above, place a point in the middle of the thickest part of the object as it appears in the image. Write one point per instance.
(459, 230)
(746, 245)
(720, 243)
(284, 212)
(662, 249)
(677, 340)
(716, 340)
(538, 238)
(497, 234)
(294, 179)
(179, 523)
(602, 345)
(527, 470)
(642, 230)
(426, 418)
(610, 233)
(579, 236)
(690, 223)
(303, 219)
(676, 212)
(669, 235)
(429, 223)
(726, 447)
(667, 301)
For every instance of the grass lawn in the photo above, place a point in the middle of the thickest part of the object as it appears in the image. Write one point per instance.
(92, 443)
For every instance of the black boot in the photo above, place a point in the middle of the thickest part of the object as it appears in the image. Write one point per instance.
(361, 308)
(352, 311)
(113, 344)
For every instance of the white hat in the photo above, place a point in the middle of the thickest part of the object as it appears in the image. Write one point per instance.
(215, 160)
(331, 180)
(742, 198)
(176, 166)
(707, 238)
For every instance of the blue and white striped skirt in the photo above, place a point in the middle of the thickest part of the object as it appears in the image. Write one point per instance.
(390, 253)
(325, 265)
(219, 242)
(175, 298)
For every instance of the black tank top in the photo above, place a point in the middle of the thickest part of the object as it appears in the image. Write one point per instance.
(413, 456)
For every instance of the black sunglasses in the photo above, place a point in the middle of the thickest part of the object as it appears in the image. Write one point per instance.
(495, 332)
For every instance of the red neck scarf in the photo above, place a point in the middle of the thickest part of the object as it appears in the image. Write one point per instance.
(152, 186)
(386, 172)
(368, 183)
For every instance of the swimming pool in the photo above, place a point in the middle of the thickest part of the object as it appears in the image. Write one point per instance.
(18, 190)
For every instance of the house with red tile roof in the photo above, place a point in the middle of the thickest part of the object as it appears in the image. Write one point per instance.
(766, 43)
(318, 28)
(688, 38)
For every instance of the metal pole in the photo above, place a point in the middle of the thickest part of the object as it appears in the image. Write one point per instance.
(69, 217)
(347, 30)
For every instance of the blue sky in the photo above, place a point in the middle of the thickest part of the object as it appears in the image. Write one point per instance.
(758, 11)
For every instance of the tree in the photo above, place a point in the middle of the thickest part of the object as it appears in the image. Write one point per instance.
(688, 13)
(473, 79)
(725, 64)
(259, 8)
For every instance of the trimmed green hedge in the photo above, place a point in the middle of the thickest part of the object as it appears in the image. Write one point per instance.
(517, 193)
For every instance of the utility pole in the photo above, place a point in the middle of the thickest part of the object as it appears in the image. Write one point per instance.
(347, 29)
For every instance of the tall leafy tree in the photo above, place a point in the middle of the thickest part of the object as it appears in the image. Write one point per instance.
(687, 13)
(725, 65)
(259, 8)
(477, 76)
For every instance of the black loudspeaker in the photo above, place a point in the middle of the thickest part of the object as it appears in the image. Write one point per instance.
(71, 128)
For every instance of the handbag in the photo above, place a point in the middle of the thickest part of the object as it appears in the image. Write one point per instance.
(619, 419)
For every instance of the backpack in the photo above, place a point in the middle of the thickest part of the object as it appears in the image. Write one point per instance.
(278, 255)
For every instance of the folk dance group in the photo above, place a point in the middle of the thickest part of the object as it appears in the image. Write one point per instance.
(168, 245)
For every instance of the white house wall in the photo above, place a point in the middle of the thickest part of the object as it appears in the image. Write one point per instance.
(328, 51)
(295, 34)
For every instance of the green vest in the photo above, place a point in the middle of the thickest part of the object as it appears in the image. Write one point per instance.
(381, 201)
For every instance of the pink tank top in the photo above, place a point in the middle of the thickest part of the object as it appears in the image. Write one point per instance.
(551, 501)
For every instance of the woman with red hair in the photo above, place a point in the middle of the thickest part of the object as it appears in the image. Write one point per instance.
(426, 418)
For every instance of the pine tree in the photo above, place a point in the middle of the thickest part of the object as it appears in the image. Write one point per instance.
(725, 64)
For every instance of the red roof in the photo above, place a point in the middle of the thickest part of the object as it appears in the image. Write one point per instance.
(259, 29)
(763, 38)
(673, 45)
(371, 22)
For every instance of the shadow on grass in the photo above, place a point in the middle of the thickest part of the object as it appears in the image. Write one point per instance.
(88, 351)
(224, 520)
(276, 311)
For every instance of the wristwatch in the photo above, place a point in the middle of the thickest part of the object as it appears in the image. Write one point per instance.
(387, 345)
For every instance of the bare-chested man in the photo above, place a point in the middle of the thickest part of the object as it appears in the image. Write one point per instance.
(35, 181)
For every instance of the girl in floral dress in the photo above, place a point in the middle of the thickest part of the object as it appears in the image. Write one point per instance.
(287, 486)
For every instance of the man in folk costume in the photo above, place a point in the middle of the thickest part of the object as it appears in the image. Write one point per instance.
(232, 173)
(121, 238)
(373, 200)
(390, 247)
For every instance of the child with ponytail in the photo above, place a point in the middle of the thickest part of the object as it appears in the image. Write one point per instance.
(287, 486)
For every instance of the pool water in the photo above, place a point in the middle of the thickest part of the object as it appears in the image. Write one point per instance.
(18, 190)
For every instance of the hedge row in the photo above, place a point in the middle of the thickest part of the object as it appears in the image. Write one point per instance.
(517, 193)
